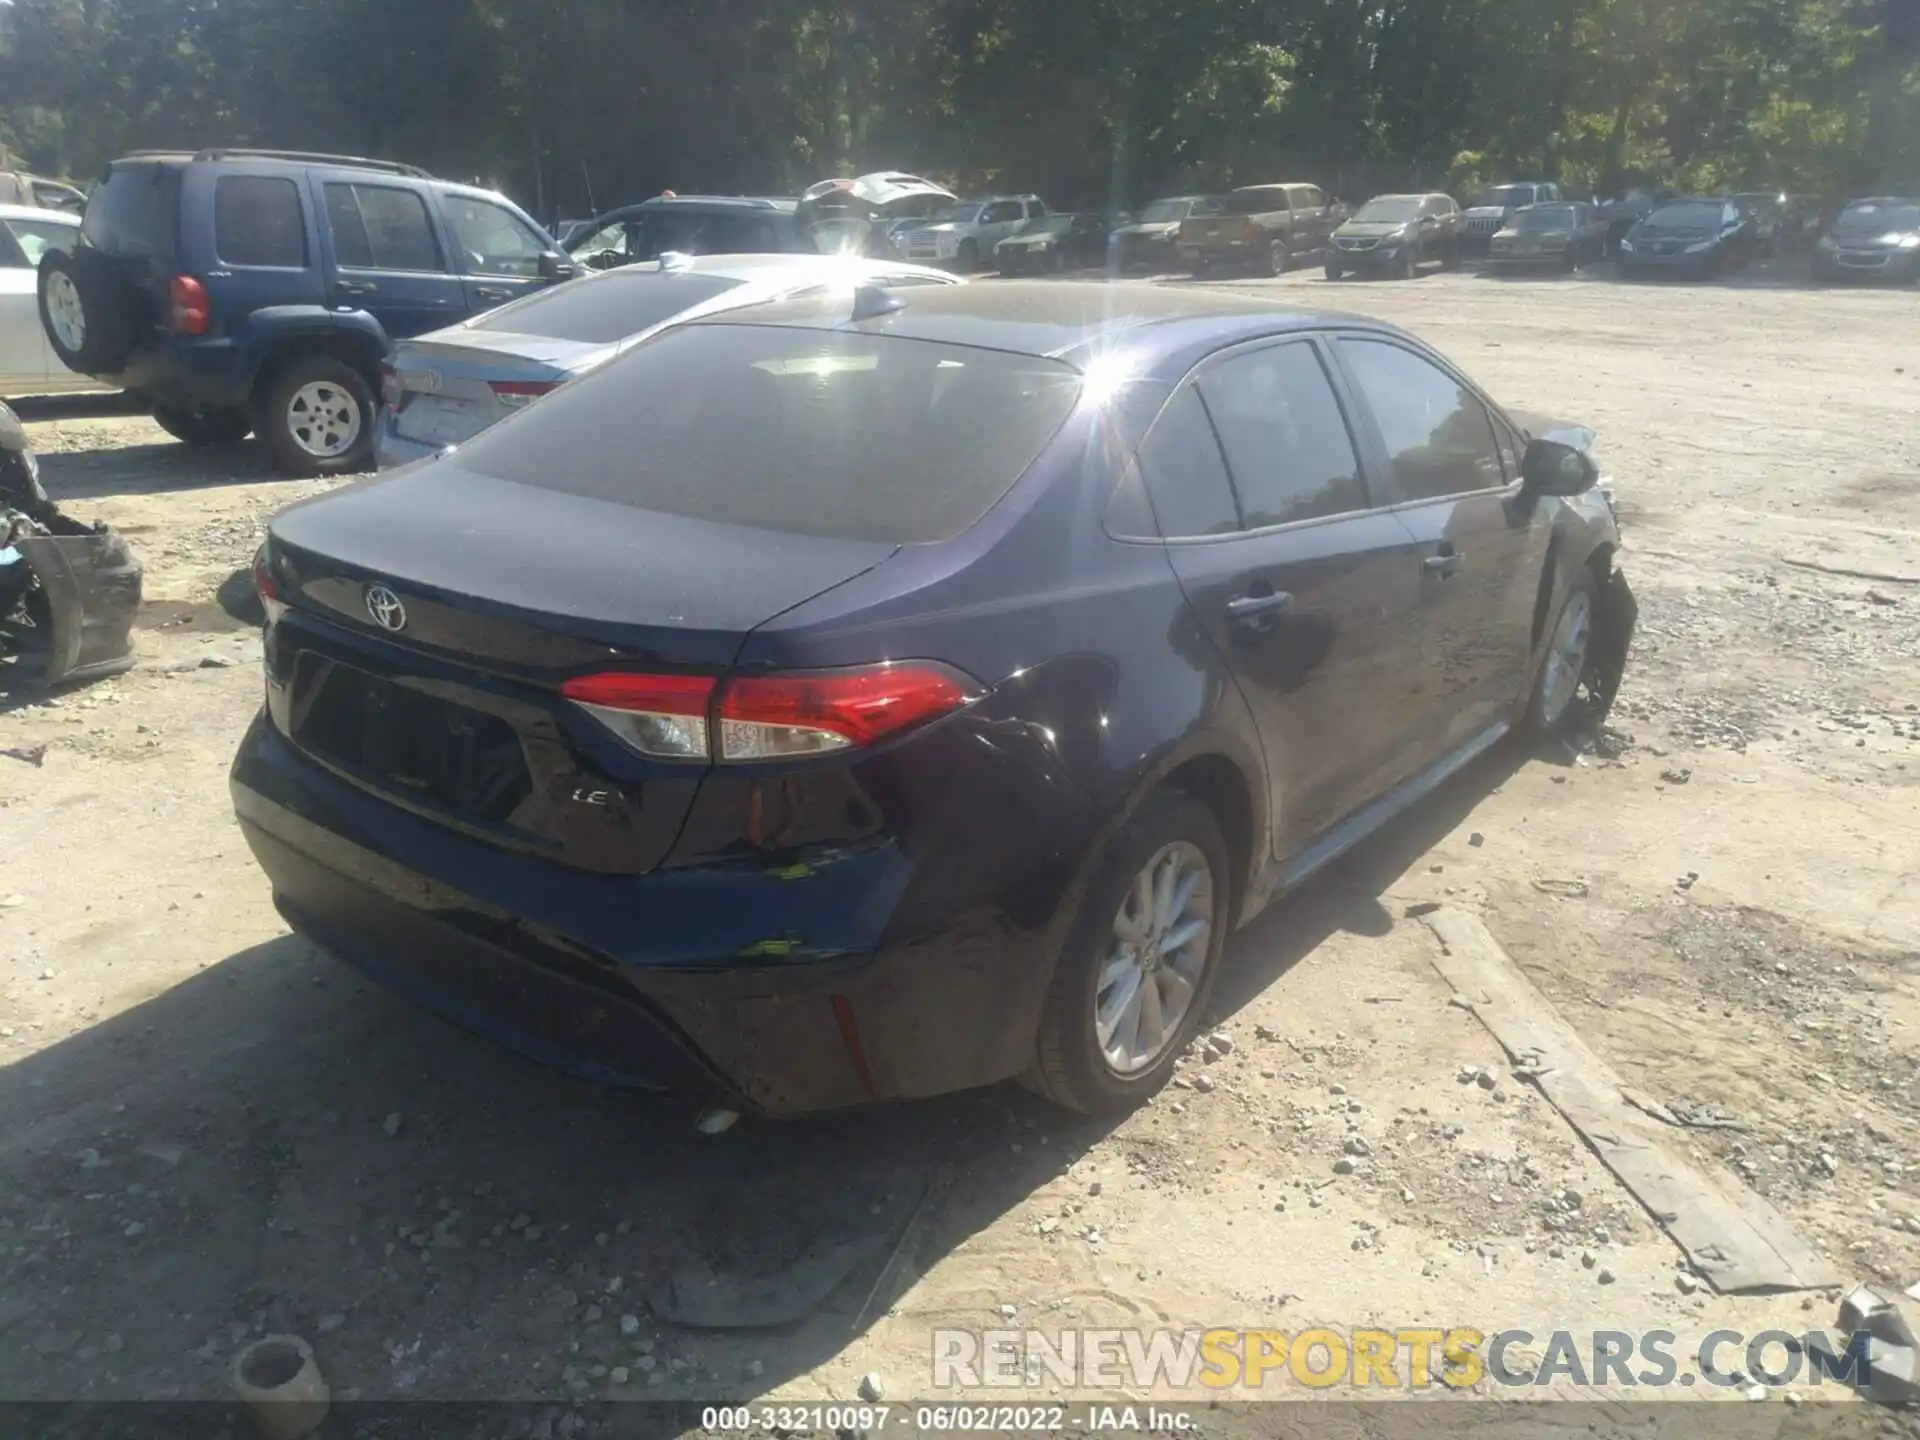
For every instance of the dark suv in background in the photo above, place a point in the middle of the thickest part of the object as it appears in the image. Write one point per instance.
(259, 290)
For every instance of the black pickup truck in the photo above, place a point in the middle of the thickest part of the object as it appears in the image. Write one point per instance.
(1261, 227)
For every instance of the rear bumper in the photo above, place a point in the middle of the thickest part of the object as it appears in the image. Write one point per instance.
(390, 449)
(673, 980)
(190, 373)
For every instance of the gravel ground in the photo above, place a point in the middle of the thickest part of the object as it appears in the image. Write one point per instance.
(215, 1132)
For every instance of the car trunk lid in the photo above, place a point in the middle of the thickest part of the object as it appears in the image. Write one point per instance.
(446, 391)
(431, 617)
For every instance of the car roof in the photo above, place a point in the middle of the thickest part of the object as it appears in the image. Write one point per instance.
(36, 212)
(1060, 320)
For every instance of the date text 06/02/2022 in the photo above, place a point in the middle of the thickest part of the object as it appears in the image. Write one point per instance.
(960, 1419)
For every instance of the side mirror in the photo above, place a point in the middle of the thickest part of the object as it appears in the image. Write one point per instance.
(555, 266)
(1550, 468)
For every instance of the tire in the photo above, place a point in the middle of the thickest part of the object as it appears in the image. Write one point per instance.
(1409, 265)
(86, 311)
(316, 415)
(1332, 270)
(1069, 1067)
(1279, 257)
(1553, 709)
(216, 426)
(968, 257)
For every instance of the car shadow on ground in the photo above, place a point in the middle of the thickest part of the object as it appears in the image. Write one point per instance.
(273, 1145)
(71, 475)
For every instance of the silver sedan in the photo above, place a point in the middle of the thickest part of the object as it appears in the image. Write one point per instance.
(441, 388)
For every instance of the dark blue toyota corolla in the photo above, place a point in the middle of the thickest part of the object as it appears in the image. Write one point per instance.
(876, 694)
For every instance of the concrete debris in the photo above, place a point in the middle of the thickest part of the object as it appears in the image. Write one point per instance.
(1476, 839)
(392, 1124)
(872, 1387)
(1344, 1166)
(1221, 1043)
(1359, 1148)
(1204, 1084)
(331, 1321)
(280, 1384)
(717, 1122)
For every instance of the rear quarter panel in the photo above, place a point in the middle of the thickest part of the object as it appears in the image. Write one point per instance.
(1099, 683)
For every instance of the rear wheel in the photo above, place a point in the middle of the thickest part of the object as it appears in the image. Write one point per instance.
(316, 415)
(1333, 269)
(1132, 982)
(1279, 257)
(216, 425)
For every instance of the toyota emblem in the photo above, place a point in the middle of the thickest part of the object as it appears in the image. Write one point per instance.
(385, 608)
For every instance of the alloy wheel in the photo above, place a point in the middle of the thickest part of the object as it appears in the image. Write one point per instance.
(1156, 954)
(324, 419)
(64, 309)
(1566, 661)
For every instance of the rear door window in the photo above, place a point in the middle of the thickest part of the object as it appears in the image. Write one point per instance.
(1286, 442)
(135, 211)
(492, 239)
(36, 237)
(791, 429)
(257, 221)
(380, 227)
(1180, 468)
(600, 311)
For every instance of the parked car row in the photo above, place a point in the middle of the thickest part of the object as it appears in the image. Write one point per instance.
(333, 305)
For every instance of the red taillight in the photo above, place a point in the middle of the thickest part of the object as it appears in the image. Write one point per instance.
(263, 580)
(516, 393)
(769, 717)
(664, 716)
(778, 717)
(190, 314)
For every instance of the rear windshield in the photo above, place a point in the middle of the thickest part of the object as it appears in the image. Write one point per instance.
(135, 210)
(604, 309)
(1546, 217)
(805, 432)
(1256, 202)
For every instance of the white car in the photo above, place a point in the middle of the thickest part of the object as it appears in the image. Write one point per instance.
(444, 387)
(965, 232)
(28, 365)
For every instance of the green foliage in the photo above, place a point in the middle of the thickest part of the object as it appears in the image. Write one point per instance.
(1089, 101)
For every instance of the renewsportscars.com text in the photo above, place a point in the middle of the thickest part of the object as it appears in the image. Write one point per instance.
(1409, 1358)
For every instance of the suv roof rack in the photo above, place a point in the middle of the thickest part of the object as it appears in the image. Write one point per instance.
(225, 152)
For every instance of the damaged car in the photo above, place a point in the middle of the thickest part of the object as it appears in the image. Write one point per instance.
(68, 591)
(889, 780)
(860, 216)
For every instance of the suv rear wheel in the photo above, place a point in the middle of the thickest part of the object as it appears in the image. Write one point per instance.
(84, 311)
(316, 415)
(215, 426)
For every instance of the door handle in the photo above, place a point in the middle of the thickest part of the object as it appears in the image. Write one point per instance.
(1441, 565)
(358, 287)
(1252, 607)
(493, 292)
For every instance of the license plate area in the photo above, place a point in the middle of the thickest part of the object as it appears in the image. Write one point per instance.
(414, 744)
(435, 419)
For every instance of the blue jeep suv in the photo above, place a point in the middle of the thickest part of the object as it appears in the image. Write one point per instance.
(259, 290)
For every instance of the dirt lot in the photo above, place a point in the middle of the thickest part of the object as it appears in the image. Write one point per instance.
(212, 1131)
